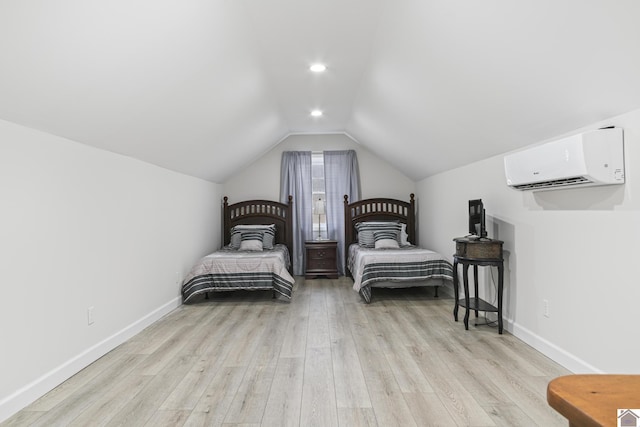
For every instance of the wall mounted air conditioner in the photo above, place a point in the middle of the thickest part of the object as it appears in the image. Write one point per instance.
(587, 159)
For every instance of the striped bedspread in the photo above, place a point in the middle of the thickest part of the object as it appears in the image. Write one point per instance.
(410, 263)
(228, 270)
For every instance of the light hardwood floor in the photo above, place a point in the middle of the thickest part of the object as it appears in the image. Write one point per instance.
(323, 359)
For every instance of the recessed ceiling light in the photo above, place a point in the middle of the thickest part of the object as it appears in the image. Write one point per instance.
(318, 68)
(316, 113)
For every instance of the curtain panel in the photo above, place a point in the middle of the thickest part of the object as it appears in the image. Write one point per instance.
(295, 180)
(341, 177)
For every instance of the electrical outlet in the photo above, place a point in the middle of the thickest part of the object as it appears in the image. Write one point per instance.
(545, 303)
(90, 315)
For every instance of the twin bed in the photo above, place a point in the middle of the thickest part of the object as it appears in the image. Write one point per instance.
(258, 237)
(380, 237)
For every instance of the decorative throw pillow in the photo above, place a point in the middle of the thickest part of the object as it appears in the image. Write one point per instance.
(269, 232)
(366, 229)
(251, 241)
(386, 239)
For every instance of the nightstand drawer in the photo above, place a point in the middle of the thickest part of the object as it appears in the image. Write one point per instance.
(321, 264)
(322, 254)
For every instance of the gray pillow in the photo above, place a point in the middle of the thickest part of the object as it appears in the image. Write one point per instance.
(269, 231)
(365, 231)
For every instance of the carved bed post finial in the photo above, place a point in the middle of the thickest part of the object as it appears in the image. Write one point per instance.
(225, 199)
(290, 198)
(346, 199)
(411, 196)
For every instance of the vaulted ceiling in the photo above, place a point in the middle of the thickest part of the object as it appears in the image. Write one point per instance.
(205, 87)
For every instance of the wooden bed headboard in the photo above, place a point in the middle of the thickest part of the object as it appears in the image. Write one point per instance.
(259, 212)
(378, 210)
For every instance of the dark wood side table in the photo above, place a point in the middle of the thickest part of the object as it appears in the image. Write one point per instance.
(321, 259)
(477, 252)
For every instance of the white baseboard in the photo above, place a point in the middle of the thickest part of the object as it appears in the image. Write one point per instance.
(47, 382)
(552, 351)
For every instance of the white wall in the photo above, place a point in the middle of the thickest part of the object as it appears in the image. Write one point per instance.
(576, 248)
(261, 180)
(79, 228)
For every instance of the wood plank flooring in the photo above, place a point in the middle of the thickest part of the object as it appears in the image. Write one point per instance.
(323, 359)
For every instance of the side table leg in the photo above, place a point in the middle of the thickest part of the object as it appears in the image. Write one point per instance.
(500, 288)
(475, 288)
(455, 289)
(465, 280)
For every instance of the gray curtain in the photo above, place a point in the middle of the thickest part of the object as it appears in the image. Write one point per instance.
(295, 180)
(341, 177)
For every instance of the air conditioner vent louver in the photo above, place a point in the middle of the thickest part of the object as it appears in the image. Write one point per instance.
(555, 183)
(587, 159)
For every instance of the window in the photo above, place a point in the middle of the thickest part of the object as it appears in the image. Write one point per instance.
(319, 207)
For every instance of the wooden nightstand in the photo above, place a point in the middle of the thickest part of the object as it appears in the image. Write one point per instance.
(321, 257)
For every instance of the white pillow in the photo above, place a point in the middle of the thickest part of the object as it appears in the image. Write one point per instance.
(251, 245)
(386, 244)
(404, 236)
